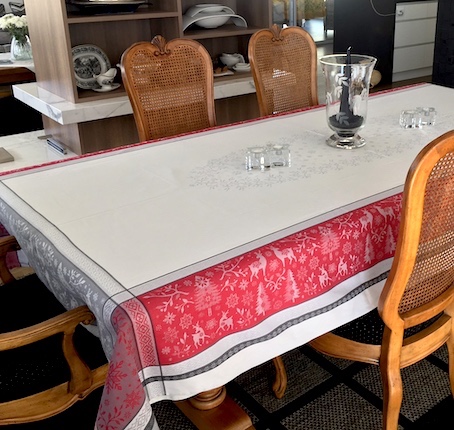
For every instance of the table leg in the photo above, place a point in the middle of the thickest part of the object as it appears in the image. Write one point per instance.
(280, 382)
(213, 409)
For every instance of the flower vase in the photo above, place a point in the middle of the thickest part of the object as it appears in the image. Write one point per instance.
(347, 91)
(21, 50)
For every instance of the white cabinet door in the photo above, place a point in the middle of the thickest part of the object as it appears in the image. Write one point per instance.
(416, 32)
(414, 39)
(412, 58)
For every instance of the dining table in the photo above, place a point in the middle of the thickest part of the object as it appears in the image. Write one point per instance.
(197, 269)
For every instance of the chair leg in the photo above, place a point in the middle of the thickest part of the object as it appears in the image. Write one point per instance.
(450, 345)
(280, 382)
(392, 384)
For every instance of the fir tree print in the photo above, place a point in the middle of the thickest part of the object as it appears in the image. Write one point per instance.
(390, 242)
(263, 301)
(330, 241)
(292, 292)
(207, 295)
(369, 254)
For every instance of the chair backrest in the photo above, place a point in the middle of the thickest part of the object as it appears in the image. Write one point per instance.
(284, 67)
(421, 282)
(17, 8)
(170, 86)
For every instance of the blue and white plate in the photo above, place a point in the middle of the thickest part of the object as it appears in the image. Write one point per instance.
(89, 61)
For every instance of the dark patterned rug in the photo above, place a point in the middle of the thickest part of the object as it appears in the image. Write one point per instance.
(325, 393)
(322, 394)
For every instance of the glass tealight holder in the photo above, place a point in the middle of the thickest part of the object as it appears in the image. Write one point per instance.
(279, 155)
(257, 158)
(427, 114)
(410, 119)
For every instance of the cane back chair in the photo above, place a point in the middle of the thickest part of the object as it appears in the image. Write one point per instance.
(284, 67)
(415, 313)
(42, 372)
(170, 86)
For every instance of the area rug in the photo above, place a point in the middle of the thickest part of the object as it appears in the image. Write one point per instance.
(325, 393)
(322, 394)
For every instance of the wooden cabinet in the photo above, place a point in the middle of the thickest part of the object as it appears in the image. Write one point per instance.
(55, 28)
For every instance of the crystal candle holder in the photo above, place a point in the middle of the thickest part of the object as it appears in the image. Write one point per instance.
(347, 91)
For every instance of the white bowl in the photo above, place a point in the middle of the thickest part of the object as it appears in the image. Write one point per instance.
(229, 60)
(208, 19)
(212, 20)
(207, 7)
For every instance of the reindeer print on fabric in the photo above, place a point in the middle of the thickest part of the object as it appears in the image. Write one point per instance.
(237, 294)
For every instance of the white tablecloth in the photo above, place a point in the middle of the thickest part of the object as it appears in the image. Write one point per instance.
(121, 223)
(189, 203)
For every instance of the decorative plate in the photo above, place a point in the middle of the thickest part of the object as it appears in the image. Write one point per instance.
(89, 61)
(226, 73)
(101, 7)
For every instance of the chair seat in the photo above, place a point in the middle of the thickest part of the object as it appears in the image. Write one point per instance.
(49, 360)
(369, 328)
(25, 302)
(31, 369)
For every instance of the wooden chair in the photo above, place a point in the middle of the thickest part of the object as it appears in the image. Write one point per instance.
(284, 67)
(415, 312)
(42, 373)
(170, 86)
(17, 8)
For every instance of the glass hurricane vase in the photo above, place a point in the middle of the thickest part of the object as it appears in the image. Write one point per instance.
(21, 50)
(347, 91)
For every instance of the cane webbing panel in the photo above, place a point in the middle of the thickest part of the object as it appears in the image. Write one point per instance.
(434, 266)
(170, 87)
(284, 69)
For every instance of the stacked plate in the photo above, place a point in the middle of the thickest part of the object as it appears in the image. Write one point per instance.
(94, 7)
(242, 67)
(211, 15)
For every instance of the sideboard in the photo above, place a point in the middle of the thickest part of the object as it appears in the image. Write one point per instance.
(55, 29)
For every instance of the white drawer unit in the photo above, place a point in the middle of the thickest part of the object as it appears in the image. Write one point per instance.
(414, 39)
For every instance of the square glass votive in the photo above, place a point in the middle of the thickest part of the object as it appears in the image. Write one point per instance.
(279, 155)
(257, 158)
(427, 114)
(410, 119)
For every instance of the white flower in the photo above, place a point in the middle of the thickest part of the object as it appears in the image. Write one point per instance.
(15, 25)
